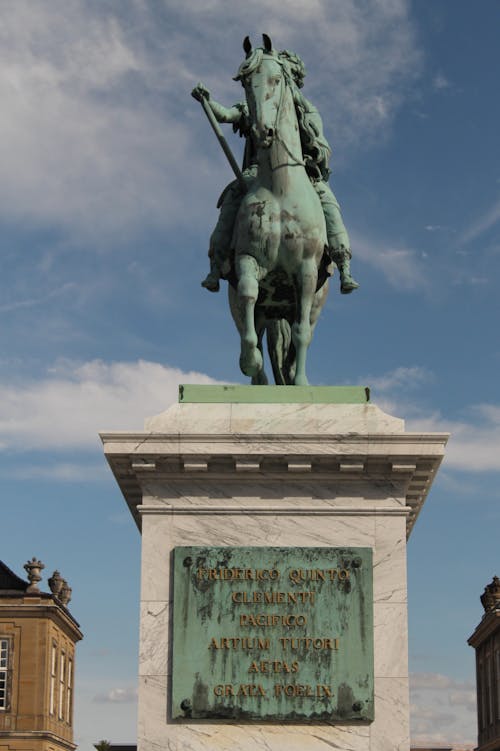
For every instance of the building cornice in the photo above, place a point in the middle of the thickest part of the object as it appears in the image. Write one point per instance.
(488, 626)
(42, 735)
(36, 606)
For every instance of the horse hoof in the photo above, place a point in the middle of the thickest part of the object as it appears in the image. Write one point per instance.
(301, 381)
(251, 363)
(260, 379)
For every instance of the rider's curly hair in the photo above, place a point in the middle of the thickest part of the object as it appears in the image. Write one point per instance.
(296, 66)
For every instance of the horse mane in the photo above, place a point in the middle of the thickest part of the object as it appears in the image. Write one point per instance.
(250, 64)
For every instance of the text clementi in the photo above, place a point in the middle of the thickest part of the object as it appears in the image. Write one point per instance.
(268, 598)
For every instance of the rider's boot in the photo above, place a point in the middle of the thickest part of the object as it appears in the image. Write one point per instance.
(211, 281)
(342, 259)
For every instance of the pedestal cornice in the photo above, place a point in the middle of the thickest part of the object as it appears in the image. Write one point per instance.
(372, 448)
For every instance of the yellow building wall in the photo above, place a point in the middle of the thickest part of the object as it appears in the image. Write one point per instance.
(31, 640)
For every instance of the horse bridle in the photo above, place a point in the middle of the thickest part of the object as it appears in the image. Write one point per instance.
(284, 83)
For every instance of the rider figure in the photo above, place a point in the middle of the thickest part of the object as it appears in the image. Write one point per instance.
(316, 152)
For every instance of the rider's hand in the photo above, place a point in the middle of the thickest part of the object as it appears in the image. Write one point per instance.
(199, 92)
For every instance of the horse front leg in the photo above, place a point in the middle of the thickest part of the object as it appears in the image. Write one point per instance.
(260, 378)
(247, 271)
(307, 278)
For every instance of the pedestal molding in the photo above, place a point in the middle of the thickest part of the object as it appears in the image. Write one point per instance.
(274, 511)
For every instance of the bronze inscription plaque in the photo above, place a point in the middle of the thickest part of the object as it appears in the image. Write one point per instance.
(282, 634)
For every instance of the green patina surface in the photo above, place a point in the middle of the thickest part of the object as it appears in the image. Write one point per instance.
(280, 232)
(274, 394)
(273, 634)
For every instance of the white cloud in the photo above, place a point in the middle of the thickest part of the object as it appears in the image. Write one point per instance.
(474, 437)
(487, 220)
(474, 443)
(401, 266)
(98, 133)
(75, 144)
(440, 82)
(443, 710)
(438, 682)
(75, 401)
(399, 378)
(117, 696)
(467, 699)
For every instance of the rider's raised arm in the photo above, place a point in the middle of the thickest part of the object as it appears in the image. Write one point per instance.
(225, 114)
(222, 114)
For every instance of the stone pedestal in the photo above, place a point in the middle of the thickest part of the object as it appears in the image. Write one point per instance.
(289, 475)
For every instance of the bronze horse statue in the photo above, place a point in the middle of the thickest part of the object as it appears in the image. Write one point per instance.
(279, 238)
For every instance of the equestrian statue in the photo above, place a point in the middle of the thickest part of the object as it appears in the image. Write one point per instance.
(280, 231)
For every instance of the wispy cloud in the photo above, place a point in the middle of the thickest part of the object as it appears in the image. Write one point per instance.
(440, 82)
(69, 406)
(487, 220)
(401, 266)
(35, 301)
(399, 378)
(434, 227)
(98, 132)
(126, 695)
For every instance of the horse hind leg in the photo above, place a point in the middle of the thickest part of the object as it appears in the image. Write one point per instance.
(247, 271)
(301, 330)
(260, 378)
(281, 351)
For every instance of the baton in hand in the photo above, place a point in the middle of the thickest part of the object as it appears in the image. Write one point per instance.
(225, 148)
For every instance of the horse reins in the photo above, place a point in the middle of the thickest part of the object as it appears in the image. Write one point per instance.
(285, 83)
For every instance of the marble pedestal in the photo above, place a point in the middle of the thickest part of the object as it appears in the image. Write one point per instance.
(305, 475)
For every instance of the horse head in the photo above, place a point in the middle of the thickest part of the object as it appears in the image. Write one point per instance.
(265, 80)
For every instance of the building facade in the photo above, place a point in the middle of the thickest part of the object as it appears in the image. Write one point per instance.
(486, 642)
(37, 662)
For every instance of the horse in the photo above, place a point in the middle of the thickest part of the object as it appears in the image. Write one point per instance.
(279, 237)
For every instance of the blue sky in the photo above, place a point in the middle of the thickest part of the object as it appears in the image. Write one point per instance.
(109, 179)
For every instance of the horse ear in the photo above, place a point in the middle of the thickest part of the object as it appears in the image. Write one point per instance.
(268, 45)
(247, 45)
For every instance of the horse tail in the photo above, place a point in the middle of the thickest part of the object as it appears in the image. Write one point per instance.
(281, 350)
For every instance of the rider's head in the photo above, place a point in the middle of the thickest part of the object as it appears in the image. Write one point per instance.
(295, 65)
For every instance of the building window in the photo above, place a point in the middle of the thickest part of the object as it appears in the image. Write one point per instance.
(53, 675)
(4, 673)
(62, 668)
(69, 692)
